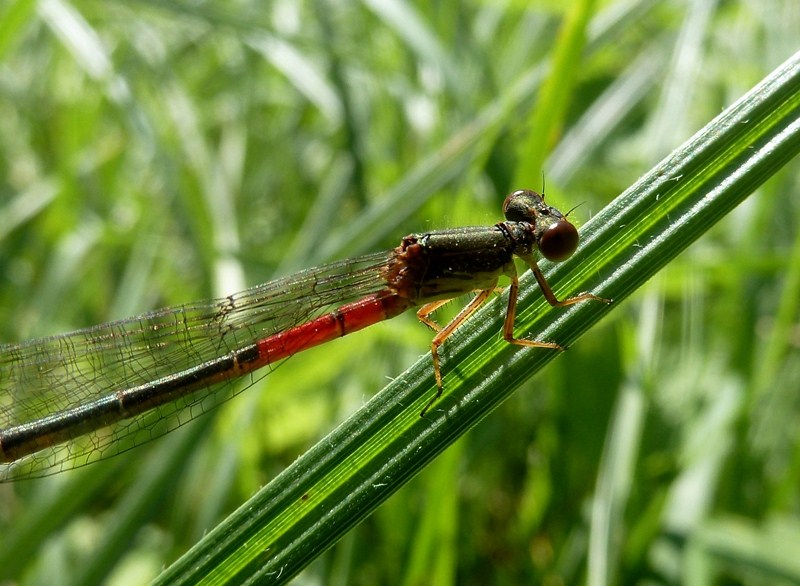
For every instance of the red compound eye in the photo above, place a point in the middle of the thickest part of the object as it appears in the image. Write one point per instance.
(559, 241)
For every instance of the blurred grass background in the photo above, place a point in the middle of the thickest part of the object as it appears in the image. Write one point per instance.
(158, 153)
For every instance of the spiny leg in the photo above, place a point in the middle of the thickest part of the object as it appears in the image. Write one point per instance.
(548, 292)
(424, 313)
(508, 325)
(444, 332)
(511, 315)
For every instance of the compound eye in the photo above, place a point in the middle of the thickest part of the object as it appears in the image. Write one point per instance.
(559, 241)
(522, 205)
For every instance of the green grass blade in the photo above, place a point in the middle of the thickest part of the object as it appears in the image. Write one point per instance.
(548, 117)
(359, 465)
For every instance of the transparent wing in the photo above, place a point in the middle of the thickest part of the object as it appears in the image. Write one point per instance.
(43, 378)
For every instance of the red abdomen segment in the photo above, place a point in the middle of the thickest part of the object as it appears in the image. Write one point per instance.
(344, 320)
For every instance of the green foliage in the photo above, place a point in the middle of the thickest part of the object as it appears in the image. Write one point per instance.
(158, 153)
